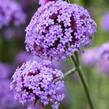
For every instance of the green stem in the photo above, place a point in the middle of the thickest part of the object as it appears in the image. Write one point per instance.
(83, 81)
(69, 72)
(76, 57)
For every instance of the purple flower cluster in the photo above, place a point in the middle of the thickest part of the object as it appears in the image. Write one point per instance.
(58, 29)
(38, 81)
(10, 12)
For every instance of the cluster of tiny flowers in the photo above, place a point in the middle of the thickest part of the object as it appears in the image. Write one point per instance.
(43, 2)
(58, 29)
(38, 81)
(10, 12)
(103, 58)
(105, 22)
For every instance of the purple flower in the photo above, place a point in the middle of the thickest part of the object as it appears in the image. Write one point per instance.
(103, 58)
(6, 96)
(105, 22)
(4, 71)
(22, 57)
(10, 12)
(89, 57)
(58, 29)
(36, 81)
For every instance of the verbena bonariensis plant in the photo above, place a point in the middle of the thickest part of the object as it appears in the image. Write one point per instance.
(57, 30)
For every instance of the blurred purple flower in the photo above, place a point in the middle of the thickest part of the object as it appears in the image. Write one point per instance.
(35, 81)
(89, 57)
(58, 29)
(6, 96)
(10, 12)
(105, 22)
(22, 57)
(103, 58)
(4, 71)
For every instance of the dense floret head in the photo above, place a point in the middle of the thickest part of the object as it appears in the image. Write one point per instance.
(35, 81)
(58, 29)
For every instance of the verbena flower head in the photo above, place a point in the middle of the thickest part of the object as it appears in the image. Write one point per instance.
(10, 12)
(103, 58)
(58, 29)
(105, 22)
(89, 57)
(36, 81)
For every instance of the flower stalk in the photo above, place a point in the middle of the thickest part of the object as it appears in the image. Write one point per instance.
(75, 60)
(69, 72)
(66, 74)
